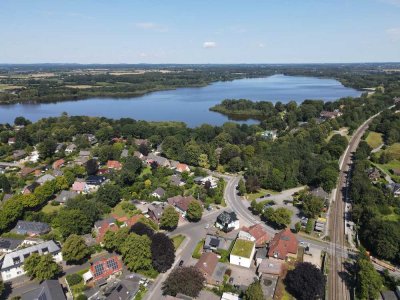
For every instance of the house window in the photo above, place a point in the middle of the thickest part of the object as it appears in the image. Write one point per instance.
(16, 260)
(45, 250)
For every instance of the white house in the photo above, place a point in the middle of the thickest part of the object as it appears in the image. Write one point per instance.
(13, 262)
(230, 296)
(242, 253)
(213, 181)
(227, 221)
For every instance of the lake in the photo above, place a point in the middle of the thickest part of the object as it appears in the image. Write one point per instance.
(189, 105)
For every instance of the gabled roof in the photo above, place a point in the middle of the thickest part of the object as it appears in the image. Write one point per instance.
(32, 227)
(259, 233)
(114, 164)
(45, 178)
(283, 243)
(102, 269)
(207, 263)
(10, 244)
(64, 196)
(58, 163)
(79, 186)
(17, 258)
(226, 217)
(319, 192)
(48, 290)
(159, 191)
(181, 202)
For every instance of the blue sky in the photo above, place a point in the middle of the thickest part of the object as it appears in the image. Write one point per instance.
(203, 31)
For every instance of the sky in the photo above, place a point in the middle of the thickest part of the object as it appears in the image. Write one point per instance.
(199, 31)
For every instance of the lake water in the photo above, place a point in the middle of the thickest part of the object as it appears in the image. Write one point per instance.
(190, 105)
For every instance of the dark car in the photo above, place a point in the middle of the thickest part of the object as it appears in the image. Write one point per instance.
(181, 263)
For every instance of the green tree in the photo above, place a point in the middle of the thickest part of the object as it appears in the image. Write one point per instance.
(4, 184)
(368, 280)
(185, 280)
(169, 219)
(109, 194)
(41, 267)
(113, 241)
(74, 249)
(312, 206)
(47, 148)
(280, 217)
(254, 292)
(136, 252)
(194, 211)
(72, 221)
(203, 161)
(241, 188)
(328, 178)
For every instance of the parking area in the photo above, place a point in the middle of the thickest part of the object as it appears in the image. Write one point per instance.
(242, 277)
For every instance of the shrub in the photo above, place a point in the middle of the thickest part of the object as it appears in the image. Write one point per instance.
(74, 279)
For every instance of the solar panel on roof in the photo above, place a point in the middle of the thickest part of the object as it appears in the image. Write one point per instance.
(98, 270)
(214, 242)
(112, 264)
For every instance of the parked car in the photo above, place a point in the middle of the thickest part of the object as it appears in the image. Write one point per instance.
(181, 263)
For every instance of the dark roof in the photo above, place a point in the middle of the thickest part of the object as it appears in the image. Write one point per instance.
(32, 186)
(33, 227)
(9, 244)
(226, 217)
(48, 290)
(64, 196)
(95, 180)
(388, 295)
(159, 191)
(214, 242)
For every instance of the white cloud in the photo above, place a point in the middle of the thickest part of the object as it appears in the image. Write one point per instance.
(393, 34)
(261, 45)
(208, 45)
(151, 26)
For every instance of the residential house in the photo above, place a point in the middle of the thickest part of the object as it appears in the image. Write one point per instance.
(210, 180)
(176, 180)
(284, 245)
(161, 161)
(102, 269)
(58, 173)
(58, 163)
(18, 154)
(48, 290)
(6, 197)
(114, 165)
(101, 227)
(13, 262)
(227, 221)
(31, 228)
(395, 188)
(139, 155)
(83, 157)
(326, 115)
(212, 270)
(8, 245)
(395, 171)
(213, 242)
(70, 148)
(80, 187)
(320, 193)
(270, 266)
(59, 147)
(29, 189)
(230, 296)
(255, 233)
(373, 174)
(91, 138)
(64, 196)
(45, 178)
(139, 142)
(155, 212)
(124, 153)
(181, 203)
(25, 171)
(95, 180)
(182, 168)
(11, 141)
(242, 253)
(158, 193)
(269, 134)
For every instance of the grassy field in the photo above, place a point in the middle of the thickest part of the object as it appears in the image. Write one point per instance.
(50, 208)
(177, 240)
(374, 139)
(261, 192)
(4, 87)
(394, 151)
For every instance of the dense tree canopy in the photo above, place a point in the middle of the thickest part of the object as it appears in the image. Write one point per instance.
(170, 218)
(41, 267)
(162, 252)
(185, 280)
(74, 249)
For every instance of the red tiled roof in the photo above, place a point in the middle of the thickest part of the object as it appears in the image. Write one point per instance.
(207, 263)
(78, 186)
(181, 202)
(133, 220)
(182, 167)
(104, 268)
(58, 163)
(284, 242)
(259, 233)
(114, 164)
(103, 230)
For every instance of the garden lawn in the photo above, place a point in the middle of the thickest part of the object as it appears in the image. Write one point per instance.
(48, 208)
(260, 193)
(177, 240)
(374, 139)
